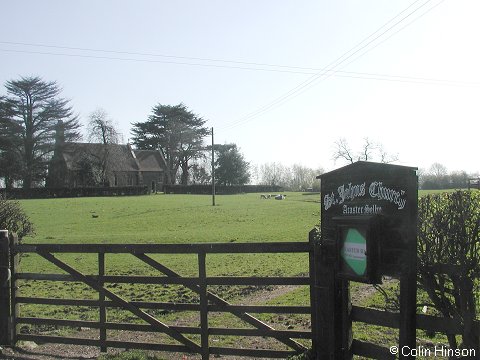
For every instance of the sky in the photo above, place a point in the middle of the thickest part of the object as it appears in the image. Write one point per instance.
(284, 80)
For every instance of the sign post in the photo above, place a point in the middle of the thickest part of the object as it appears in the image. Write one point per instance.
(368, 230)
(4, 288)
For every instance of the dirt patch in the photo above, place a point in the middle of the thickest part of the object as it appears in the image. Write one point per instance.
(365, 291)
(50, 351)
(30, 351)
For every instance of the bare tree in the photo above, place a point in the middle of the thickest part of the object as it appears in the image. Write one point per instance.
(438, 170)
(437, 177)
(102, 130)
(304, 177)
(367, 152)
(343, 151)
(370, 151)
(385, 157)
(274, 174)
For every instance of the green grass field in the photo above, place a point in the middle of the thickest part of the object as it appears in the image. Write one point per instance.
(173, 219)
(164, 219)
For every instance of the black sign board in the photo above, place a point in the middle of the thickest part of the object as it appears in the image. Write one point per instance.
(369, 211)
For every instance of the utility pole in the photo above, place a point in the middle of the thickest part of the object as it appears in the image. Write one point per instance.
(213, 171)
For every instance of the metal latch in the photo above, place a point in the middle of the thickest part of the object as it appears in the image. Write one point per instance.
(5, 274)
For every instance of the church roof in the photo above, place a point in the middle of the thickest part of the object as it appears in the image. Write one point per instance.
(122, 156)
(149, 160)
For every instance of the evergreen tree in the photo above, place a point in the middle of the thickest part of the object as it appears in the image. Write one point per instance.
(31, 111)
(177, 132)
(230, 166)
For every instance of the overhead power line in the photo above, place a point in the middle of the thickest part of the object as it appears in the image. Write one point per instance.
(305, 70)
(160, 61)
(332, 67)
(119, 52)
(396, 32)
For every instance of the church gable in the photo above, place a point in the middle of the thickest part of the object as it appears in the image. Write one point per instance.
(93, 164)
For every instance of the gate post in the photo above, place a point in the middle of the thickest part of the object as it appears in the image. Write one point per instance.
(314, 297)
(325, 299)
(4, 288)
(368, 225)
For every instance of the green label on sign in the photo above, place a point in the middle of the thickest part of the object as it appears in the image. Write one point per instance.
(353, 251)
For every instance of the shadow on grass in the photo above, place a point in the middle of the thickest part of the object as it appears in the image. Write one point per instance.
(309, 197)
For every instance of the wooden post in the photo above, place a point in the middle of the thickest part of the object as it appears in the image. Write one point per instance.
(346, 327)
(15, 308)
(4, 288)
(408, 282)
(313, 293)
(202, 274)
(408, 297)
(325, 301)
(101, 299)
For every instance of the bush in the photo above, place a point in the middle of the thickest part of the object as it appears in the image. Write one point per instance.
(14, 219)
(449, 257)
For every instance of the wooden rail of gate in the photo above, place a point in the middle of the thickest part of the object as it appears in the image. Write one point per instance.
(368, 316)
(209, 302)
(392, 320)
(430, 323)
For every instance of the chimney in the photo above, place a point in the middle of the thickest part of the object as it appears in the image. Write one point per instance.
(59, 133)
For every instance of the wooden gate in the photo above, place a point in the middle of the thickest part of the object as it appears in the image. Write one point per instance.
(186, 336)
(209, 302)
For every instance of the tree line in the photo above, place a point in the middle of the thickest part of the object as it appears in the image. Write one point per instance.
(232, 167)
(32, 111)
(438, 177)
(295, 178)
